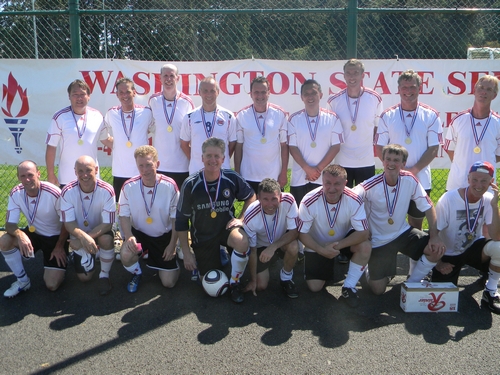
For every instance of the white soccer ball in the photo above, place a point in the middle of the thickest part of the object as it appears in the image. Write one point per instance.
(215, 283)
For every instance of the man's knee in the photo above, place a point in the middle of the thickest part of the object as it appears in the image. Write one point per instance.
(6, 242)
(492, 251)
(106, 242)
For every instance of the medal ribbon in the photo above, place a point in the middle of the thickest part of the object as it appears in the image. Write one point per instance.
(148, 209)
(31, 216)
(263, 129)
(86, 213)
(270, 236)
(171, 117)
(84, 126)
(212, 203)
(124, 124)
(401, 114)
(355, 116)
(391, 205)
(208, 132)
(480, 138)
(311, 131)
(332, 220)
(471, 222)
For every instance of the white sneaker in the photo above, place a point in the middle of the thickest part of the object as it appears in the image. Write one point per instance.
(16, 288)
(179, 252)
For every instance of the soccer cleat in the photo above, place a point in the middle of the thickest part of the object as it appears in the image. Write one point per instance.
(350, 296)
(236, 293)
(16, 288)
(300, 257)
(145, 254)
(289, 288)
(134, 283)
(342, 259)
(104, 286)
(491, 302)
(179, 252)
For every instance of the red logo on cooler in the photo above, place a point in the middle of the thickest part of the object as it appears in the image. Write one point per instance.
(436, 303)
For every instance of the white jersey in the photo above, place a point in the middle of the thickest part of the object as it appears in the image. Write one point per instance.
(199, 125)
(327, 222)
(460, 139)
(133, 127)
(41, 211)
(452, 221)
(373, 192)
(313, 145)
(93, 208)
(161, 201)
(77, 135)
(263, 229)
(261, 135)
(168, 115)
(363, 113)
(422, 126)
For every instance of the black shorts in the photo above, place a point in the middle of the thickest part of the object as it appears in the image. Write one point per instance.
(413, 211)
(471, 257)
(299, 192)
(47, 245)
(278, 254)
(383, 259)
(178, 177)
(318, 267)
(355, 176)
(117, 185)
(156, 247)
(208, 252)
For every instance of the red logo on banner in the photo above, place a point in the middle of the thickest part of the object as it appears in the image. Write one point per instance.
(10, 91)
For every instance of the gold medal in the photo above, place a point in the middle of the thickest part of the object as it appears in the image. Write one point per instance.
(313, 144)
(86, 223)
(31, 228)
(129, 144)
(390, 221)
(80, 142)
(408, 140)
(353, 127)
(263, 140)
(169, 129)
(470, 236)
(149, 220)
(331, 232)
(477, 150)
(213, 214)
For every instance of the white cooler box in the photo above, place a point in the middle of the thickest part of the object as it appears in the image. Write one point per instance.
(429, 297)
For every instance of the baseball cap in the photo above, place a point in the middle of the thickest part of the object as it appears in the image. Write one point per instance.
(482, 166)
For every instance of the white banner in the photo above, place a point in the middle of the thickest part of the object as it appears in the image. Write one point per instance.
(33, 90)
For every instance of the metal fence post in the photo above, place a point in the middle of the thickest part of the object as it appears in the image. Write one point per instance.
(352, 29)
(74, 27)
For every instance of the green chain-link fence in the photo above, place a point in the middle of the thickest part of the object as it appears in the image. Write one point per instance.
(196, 30)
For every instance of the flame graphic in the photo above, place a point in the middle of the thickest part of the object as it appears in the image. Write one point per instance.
(10, 91)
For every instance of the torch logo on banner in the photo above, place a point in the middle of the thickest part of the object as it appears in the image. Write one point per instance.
(14, 96)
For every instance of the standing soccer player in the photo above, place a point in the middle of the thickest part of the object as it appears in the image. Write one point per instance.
(261, 148)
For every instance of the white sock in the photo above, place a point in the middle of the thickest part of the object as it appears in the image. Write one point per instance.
(286, 276)
(353, 275)
(492, 283)
(413, 263)
(238, 264)
(134, 268)
(14, 260)
(107, 257)
(422, 268)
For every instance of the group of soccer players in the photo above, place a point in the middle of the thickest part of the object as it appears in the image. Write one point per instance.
(176, 198)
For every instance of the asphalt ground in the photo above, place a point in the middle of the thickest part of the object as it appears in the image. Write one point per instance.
(184, 331)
